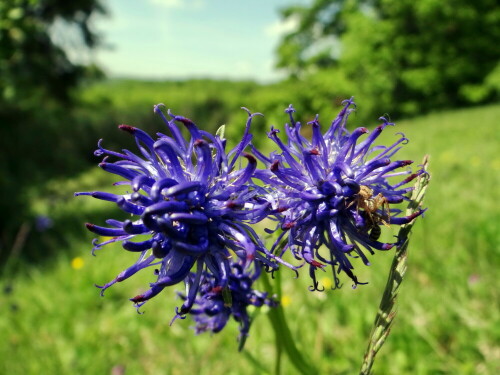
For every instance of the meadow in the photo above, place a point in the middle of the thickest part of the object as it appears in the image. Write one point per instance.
(54, 321)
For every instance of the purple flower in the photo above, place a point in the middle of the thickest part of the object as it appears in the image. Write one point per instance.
(214, 305)
(43, 223)
(332, 193)
(189, 204)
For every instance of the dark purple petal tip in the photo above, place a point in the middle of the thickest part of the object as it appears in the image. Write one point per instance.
(127, 128)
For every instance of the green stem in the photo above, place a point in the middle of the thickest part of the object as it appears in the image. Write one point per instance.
(283, 335)
(279, 351)
(387, 308)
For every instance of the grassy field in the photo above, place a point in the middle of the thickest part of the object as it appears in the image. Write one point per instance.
(54, 322)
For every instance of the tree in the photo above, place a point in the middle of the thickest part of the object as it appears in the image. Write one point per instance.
(32, 65)
(413, 56)
(39, 134)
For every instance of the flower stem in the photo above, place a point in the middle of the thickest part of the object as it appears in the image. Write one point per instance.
(279, 352)
(283, 335)
(387, 309)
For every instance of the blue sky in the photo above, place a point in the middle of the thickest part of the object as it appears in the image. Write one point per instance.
(162, 39)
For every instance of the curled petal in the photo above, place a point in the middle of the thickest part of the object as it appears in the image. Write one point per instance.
(137, 246)
(120, 171)
(106, 232)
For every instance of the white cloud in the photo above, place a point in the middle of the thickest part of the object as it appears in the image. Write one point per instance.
(280, 27)
(179, 4)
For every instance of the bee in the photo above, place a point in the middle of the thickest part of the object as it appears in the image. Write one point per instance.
(375, 232)
(371, 204)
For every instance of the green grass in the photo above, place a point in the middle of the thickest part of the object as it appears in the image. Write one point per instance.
(53, 320)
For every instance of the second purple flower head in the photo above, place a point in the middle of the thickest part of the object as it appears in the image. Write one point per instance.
(332, 193)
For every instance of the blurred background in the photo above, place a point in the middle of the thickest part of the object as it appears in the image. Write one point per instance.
(72, 71)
